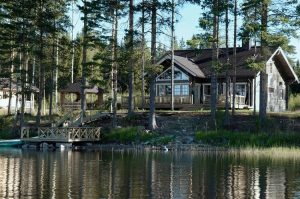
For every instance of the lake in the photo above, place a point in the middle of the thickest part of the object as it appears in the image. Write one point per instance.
(139, 174)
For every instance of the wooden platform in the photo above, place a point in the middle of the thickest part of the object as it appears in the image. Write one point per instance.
(61, 135)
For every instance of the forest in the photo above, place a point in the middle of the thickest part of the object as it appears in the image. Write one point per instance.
(39, 47)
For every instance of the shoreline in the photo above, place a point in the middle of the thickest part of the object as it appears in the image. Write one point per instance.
(278, 153)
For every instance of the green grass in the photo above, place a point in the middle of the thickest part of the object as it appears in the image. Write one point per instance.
(128, 135)
(239, 139)
(294, 102)
(6, 123)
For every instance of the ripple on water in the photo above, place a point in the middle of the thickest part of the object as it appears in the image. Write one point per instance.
(103, 174)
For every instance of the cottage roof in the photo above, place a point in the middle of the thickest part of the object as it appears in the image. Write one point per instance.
(186, 64)
(284, 67)
(76, 88)
(5, 86)
(198, 62)
(203, 59)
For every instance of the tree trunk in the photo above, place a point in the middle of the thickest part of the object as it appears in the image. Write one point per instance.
(226, 122)
(234, 58)
(52, 77)
(172, 55)
(10, 81)
(263, 76)
(143, 55)
(41, 80)
(114, 65)
(152, 118)
(23, 82)
(131, 61)
(254, 96)
(56, 78)
(84, 57)
(215, 54)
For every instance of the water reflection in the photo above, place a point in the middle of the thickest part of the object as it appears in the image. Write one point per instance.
(133, 174)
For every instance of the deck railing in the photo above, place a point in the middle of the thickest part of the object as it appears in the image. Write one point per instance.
(66, 134)
(186, 99)
(240, 101)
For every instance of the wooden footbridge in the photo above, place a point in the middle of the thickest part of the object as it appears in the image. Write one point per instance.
(60, 134)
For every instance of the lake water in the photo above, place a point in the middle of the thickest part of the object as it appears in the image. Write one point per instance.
(136, 174)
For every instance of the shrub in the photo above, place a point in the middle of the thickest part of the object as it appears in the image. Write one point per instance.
(128, 135)
(294, 102)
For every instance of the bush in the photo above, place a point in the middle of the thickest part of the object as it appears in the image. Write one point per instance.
(5, 127)
(128, 135)
(294, 102)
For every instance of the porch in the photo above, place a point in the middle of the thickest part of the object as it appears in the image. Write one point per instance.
(184, 102)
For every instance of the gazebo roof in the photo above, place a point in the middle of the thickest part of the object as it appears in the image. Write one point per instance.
(76, 88)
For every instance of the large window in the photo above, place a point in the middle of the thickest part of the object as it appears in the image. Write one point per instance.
(163, 90)
(184, 89)
(241, 89)
(179, 89)
(178, 75)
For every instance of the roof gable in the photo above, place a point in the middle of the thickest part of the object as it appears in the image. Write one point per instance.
(185, 64)
(284, 67)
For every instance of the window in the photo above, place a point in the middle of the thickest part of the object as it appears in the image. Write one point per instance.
(178, 75)
(281, 96)
(271, 90)
(185, 89)
(168, 90)
(241, 89)
(161, 90)
(179, 89)
(206, 89)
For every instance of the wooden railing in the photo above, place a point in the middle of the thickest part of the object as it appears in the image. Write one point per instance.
(240, 100)
(67, 134)
(186, 99)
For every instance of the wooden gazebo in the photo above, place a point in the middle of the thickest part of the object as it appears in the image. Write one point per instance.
(71, 95)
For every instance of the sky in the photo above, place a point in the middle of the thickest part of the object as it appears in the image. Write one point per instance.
(186, 26)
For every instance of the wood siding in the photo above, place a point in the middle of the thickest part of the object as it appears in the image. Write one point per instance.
(276, 89)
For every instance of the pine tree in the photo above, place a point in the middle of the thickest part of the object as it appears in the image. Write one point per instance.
(130, 44)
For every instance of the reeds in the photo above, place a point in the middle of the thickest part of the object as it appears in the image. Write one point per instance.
(226, 138)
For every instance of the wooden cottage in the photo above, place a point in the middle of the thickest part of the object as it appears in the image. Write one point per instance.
(70, 96)
(192, 85)
(16, 100)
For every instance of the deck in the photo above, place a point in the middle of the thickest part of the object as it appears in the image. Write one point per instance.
(186, 102)
(61, 135)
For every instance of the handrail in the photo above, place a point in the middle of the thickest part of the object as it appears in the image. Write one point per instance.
(63, 134)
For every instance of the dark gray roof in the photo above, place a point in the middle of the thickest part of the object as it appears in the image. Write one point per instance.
(203, 59)
(199, 62)
(5, 85)
(189, 66)
(185, 64)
